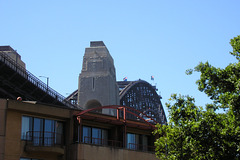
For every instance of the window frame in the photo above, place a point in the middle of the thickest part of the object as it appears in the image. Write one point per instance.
(42, 132)
(139, 142)
(103, 140)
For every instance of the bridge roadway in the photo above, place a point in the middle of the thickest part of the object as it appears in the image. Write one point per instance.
(16, 81)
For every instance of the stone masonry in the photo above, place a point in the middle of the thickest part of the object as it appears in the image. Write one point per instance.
(97, 80)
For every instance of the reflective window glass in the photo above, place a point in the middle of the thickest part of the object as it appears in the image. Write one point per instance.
(49, 134)
(145, 142)
(26, 128)
(42, 131)
(58, 132)
(86, 135)
(96, 136)
(132, 141)
(104, 137)
(38, 131)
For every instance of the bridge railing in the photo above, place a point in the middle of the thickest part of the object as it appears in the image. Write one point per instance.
(33, 79)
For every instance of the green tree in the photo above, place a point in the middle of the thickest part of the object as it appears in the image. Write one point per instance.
(196, 133)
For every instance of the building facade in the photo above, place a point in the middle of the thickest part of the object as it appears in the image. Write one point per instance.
(34, 131)
(46, 126)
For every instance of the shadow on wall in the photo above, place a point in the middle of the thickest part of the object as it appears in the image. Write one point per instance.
(93, 104)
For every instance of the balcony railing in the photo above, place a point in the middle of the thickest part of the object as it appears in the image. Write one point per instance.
(102, 142)
(38, 138)
(140, 147)
(119, 144)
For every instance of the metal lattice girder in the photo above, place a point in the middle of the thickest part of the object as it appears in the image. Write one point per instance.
(17, 81)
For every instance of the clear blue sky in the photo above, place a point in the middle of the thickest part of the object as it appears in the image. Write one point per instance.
(149, 37)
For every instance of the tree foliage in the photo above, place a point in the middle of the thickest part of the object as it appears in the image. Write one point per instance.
(202, 133)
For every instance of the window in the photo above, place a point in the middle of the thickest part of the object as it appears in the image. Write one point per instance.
(94, 135)
(105, 137)
(144, 142)
(42, 131)
(137, 142)
(86, 136)
(37, 133)
(26, 126)
(49, 127)
(132, 141)
(58, 132)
